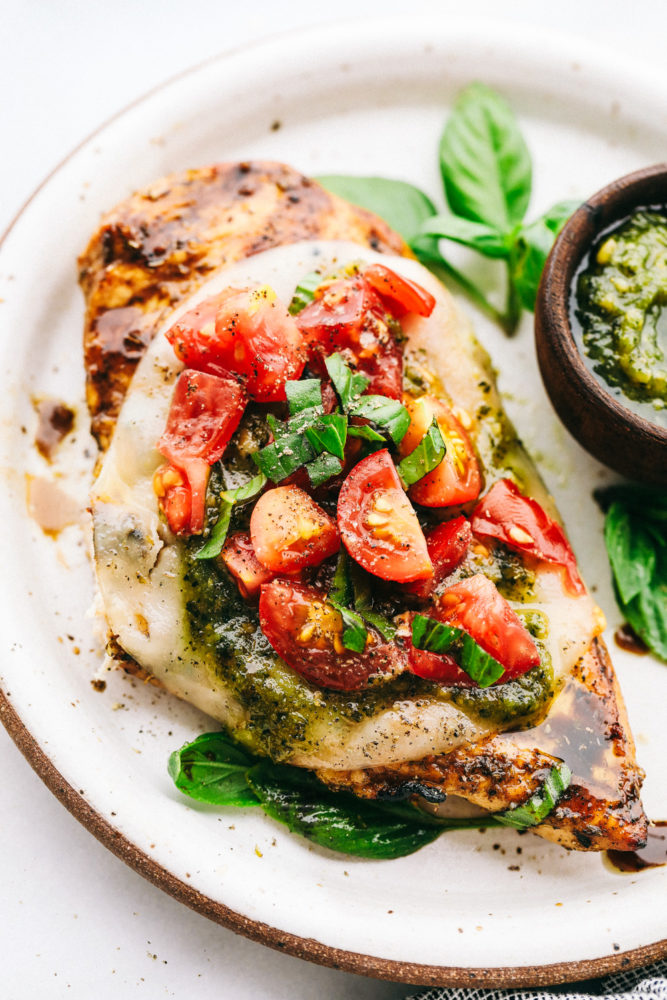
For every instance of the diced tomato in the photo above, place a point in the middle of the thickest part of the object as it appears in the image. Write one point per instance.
(447, 545)
(289, 531)
(244, 331)
(204, 413)
(457, 479)
(307, 633)
(174, 498)
(378, 524)
(238, 555)
(518, 521)
(348, 316)
(399, 295)
(476, 606)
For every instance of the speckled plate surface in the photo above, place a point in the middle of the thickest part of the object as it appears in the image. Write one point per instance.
(491, 908)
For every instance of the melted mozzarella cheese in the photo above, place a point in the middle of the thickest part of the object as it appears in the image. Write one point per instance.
(138, 565)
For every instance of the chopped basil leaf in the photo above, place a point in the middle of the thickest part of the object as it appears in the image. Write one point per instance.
(428, 454)
(322, 468)
(348, 384)
(363, 603)
(213, 769)
(341, 591)
(365, 432)
(284, 456)
(250, 490)
(437, 637)
(539, 805)
(242, 494)
(386, 628)
(304, 394)
(218, 536)
(329, 434)
(304, 293)
(387, 414)
(354, 630)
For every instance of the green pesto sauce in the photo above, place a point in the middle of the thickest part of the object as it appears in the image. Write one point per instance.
(281, 705)
(621, 321)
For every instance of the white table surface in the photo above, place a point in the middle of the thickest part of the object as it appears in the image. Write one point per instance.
(76, 922)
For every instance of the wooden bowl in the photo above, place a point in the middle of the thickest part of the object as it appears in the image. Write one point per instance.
(611, 432)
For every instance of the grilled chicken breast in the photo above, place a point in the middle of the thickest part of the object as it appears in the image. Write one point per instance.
(176, 244)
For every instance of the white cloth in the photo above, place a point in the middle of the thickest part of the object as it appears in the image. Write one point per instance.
(636, 984)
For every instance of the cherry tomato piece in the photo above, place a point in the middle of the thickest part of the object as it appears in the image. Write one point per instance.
(447, 545)
(174, 498)
(399, 294)
(348, 316)
(518, 521)
(307, 633)
(378, 524)
(476, 606)
(289, 531)
(238, 556)
(204, 413)
(457, 479)
(245, 331)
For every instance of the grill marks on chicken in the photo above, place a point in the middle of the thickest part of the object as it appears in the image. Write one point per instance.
(157, 247)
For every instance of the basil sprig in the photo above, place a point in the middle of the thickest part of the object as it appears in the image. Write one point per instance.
(437, 637)
(228, 500)
(426, 457)
(214, 770)
(635, 533)
(486, 172)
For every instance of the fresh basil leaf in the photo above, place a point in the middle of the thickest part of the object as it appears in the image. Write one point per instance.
(324, 467)
(631, 552)
(647, 612)
(541, 803)
(249, 490)
(329, 434)
(484, 161)
(385, 413)
(486, 239)
(213, 769)
(348, 384)
(213, 545)
(635, 533)
(401, 205)
(304, 394)
(423, 459)
(337, 820)
(437, 637)
(364, 432)
(228, 500)
(531, 247)
(341, 592)
(386, 628)
(304, 293)
(284, 456)
(354, 631)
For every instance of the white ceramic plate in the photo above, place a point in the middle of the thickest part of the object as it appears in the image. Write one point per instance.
(365, 99)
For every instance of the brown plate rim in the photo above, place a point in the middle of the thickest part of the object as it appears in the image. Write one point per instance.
(308, 949)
